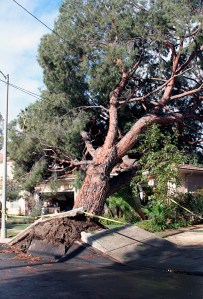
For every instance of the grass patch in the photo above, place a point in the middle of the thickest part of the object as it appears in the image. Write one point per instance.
(18, 226)
(11, 234)
(14, 229)
(20, 219)
(113, 225)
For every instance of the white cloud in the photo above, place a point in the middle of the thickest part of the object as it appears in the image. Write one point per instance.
(19, 39)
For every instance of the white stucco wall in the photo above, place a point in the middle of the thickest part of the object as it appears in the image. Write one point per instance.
(9, 170)
(17, 207)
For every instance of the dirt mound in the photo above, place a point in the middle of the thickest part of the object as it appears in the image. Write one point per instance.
(55, 231)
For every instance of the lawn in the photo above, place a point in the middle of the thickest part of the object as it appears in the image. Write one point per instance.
(14, 229)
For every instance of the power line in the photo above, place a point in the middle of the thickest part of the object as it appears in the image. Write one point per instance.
(26, 91)
(30, 93)
(53, 31)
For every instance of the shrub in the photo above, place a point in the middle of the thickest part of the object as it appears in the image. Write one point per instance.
(193, 202)
(121, 206)
(163, 216)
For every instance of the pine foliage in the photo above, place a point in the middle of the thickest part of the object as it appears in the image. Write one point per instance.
(103, 41)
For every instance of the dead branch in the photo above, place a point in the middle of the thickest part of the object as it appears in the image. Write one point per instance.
(184, 65)
(95, 106)
(88, 143)
(187, 93)
(150, 93)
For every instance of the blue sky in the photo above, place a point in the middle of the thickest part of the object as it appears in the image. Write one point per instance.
(20, 35)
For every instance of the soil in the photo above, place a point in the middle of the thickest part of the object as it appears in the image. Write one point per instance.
(55, 231)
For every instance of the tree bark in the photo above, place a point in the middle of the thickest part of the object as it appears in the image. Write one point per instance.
(95, 188)
(97, 184)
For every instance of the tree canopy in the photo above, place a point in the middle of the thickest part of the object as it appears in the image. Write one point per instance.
(114, 68)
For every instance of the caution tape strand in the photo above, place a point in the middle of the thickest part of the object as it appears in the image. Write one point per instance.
(103, 218)
(186, 209)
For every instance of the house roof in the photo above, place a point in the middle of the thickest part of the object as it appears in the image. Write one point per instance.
(190, 169)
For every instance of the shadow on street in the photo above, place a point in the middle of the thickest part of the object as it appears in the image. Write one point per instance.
(86, 273)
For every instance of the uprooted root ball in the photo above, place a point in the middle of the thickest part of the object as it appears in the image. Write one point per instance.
(65, 231)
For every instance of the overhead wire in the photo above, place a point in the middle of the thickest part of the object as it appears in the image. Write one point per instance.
(32, 94)
(53, 31)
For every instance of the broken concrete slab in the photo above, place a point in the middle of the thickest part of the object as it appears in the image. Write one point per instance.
(5, 240)
(45, 249)
(110, 239)
(135, 254)
(133, 231)
(106, 240)
(136, 247)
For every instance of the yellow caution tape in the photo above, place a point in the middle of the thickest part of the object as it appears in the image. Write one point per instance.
(56, 214)
(185, 209)
(103, 218)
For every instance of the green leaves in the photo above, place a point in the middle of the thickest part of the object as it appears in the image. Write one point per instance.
(101, 40)
(121, 205)
(160, 160)
(35, 176)
(43, 126)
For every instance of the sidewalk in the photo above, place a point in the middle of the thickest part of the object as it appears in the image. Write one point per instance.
(5, 240)
(184, 236)
(136, 247)
(8, 239)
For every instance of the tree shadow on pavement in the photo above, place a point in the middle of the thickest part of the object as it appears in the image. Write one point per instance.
(83, 280)
(148, 267)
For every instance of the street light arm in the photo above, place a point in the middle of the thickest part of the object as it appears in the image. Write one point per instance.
(5, 77)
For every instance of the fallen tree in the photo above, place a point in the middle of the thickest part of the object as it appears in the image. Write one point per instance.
(133, 66)
(64, 228)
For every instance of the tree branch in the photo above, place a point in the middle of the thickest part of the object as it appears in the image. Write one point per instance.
(137, 64)
(184, 65)
(113, 118)
(88, 143)
(95, 106)
(150, 93)
(131, 137)
(193, 116)
(187, 93)
(171, 84)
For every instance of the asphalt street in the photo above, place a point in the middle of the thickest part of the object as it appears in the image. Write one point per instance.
(85, 273)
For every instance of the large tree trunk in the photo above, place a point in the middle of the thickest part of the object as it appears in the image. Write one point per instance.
(97, 184)
(95, 188)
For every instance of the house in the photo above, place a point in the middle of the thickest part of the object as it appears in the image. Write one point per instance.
(191, 178)
(60, 198)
